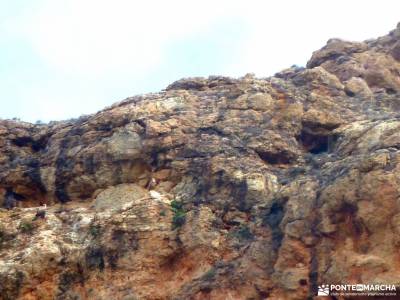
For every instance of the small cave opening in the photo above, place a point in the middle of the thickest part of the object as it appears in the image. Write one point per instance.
(348, 208)
(316, 143)
(26, 141)
(275, 158)
(391, 91)
(31, 197)
(303, 282)
(157, 157)
(11, 198)
(349, 93)
(274, 217)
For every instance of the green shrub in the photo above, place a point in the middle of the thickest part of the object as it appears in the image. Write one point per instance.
(176, 205)
(95, 230)
(26, 227)
(179, 217)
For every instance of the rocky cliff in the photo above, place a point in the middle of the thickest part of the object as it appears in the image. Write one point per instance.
(214, 188)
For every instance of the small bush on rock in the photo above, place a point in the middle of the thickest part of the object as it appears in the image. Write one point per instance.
(95, 230)
(26, 227)
(179, 217)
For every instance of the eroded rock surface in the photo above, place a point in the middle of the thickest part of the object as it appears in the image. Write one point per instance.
(215, 188)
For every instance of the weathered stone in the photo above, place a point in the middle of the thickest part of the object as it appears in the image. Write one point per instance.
(356, 86)
(118, 196)
(214, 188)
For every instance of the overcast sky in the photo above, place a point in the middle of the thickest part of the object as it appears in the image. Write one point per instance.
(64, 58)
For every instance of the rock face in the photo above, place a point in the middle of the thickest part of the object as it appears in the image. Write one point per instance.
(214, 188)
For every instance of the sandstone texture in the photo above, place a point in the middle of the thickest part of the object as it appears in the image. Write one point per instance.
(214, 188)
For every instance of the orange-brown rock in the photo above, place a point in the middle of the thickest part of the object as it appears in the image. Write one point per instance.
(215, 188)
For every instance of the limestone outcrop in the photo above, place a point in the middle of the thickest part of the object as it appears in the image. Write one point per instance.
(214, 188)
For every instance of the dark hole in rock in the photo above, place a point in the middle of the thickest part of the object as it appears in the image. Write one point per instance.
(349, 93)
(141, 123)
(23, 141)
(62, 196)
(316, 143)
(275, 215)
(348, 208)
(391, 91)
(105, 127)
(157, 157)
(27, 141)
(303, 282)
(40, 144)
(272, 158)
(206, 289)
(9, 200)
(12, 197)
(264, 294)
(211, 131)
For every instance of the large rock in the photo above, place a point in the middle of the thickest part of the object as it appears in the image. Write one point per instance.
(214, 188)
(118, 196)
